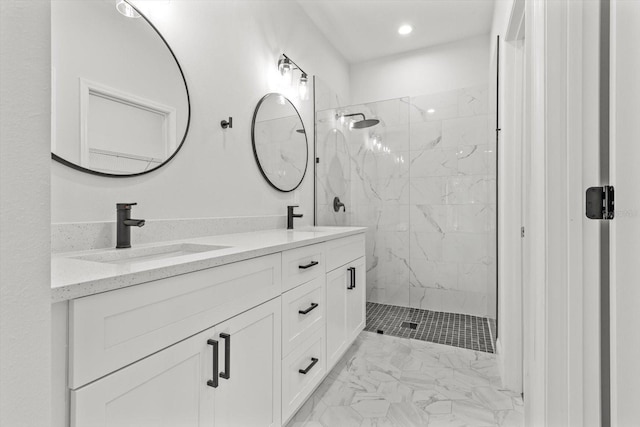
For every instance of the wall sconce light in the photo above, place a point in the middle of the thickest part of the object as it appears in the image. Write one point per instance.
(286, 67)
(303, 88)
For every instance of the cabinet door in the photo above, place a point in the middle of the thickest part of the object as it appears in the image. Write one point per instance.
(167, 389)
(249, 390)
(356, 305)
(337, 337)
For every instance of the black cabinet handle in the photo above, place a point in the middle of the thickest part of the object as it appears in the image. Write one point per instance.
(313, 305)
(352, 277)
(311, 264)
(311, 365)
(214, 382)
(227, 356)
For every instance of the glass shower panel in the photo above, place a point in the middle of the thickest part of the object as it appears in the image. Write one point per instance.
(423, 181)
(368, 169)
(452, 212)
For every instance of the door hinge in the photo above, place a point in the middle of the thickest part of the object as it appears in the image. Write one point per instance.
(600, 202)
(522, 231)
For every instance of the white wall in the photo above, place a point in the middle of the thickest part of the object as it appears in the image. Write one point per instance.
(509, 344)
(228, 51)
(25, 304)
(441, 68)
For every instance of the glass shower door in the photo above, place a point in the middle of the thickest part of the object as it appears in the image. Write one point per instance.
(367, 168)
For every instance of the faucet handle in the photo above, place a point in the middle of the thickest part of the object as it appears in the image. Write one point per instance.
(124, 205)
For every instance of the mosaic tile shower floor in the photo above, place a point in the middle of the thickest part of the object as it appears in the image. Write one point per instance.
(390, 381)
(459, 330)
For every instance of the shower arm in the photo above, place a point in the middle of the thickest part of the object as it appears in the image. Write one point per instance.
(354, 114)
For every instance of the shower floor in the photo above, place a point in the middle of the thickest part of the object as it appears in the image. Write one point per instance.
(459, 330)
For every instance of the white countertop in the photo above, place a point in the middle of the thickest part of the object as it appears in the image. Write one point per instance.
(74, 278)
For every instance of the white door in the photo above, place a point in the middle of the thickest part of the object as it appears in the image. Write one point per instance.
(356, 306)
(167, 389)
(625, 227)
(249, 388)
(337, 338)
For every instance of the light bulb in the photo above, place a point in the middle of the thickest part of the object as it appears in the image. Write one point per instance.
(303, 88)
(284, 66)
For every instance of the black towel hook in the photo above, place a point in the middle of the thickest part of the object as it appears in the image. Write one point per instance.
(227, 124)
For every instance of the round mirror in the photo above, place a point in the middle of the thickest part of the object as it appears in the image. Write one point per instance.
(279, 142)
(120, 100)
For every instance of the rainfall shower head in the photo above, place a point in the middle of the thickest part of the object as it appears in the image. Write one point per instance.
(366, 123)
(361, 124)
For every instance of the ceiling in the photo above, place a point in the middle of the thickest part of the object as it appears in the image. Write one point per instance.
(367, 29)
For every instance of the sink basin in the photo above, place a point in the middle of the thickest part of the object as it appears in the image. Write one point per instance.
(139, 255)
(320, 229)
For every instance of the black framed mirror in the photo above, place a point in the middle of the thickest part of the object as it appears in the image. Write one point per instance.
(280, 144)
(120, 99)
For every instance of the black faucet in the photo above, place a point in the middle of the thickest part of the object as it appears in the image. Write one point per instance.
(290, 216)
(337, 204)
(124, 224)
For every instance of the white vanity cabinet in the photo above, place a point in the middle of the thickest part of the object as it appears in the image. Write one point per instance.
(346, 295)
(242, 344)
(228, 375)
(345, 307)
(249, 385)
(322, 317)
(168, 388)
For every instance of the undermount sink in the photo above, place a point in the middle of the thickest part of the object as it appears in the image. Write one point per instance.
(139, 255)
(320, 229)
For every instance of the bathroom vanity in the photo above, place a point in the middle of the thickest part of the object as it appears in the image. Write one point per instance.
(233, 330)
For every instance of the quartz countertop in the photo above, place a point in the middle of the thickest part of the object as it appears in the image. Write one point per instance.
(75, 278)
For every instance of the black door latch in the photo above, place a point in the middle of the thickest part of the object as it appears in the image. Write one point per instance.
(600, 202)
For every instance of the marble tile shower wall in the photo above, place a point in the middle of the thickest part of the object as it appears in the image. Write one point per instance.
(369, 170)
(423, 182)
(452, 202)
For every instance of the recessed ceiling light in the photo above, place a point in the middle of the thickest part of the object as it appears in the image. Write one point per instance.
(405, 29)
(431, 111)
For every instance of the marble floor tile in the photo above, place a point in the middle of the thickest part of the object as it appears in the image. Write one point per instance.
(387, 381)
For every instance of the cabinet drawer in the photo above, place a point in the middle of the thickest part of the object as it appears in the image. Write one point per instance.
(296, 386)
(110, 330)
(302, 265)
(343, 251)
(303, 311)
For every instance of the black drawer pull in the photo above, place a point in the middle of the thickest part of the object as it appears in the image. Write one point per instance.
(214, 382)
(227, 356)
(311, 264)
(352, 277)
(313, 362)
(313, 305)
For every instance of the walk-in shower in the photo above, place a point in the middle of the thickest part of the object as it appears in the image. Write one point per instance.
(420, 173)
